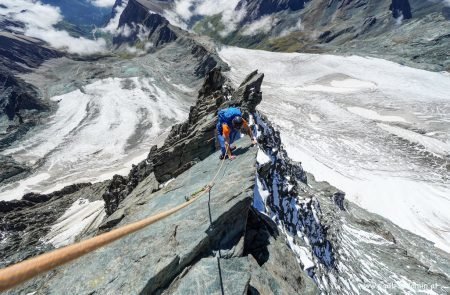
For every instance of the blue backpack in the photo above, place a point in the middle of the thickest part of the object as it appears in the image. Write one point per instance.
(227, 115)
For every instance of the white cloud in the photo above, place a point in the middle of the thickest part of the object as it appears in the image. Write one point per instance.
(103, 3)
(62, 40)
(39, 20)
(297, 27)
(113, 23)
(212, 7)
(399, 19)
(262, 25)
(175, 19)
(184, 10)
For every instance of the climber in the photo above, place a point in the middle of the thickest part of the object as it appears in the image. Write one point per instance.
(229, 124)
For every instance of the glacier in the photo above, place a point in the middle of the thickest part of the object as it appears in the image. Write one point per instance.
(373, 128)
(98, 130)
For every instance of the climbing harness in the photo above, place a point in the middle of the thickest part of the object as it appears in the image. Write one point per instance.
(23, 271)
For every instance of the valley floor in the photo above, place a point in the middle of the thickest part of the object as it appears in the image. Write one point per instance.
(375, 129)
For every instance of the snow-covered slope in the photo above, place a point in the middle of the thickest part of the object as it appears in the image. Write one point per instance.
(373, 128)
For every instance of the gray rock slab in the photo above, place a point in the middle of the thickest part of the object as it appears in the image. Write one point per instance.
(147, 261)
(214, 275)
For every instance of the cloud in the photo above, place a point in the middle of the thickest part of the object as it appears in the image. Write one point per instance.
(39, 20)
(113, 23)
(103, 3)
(262, 25)
(184, 11)
(297, 27)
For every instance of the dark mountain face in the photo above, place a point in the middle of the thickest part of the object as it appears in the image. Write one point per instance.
(137, 18)
(257, 8)
(401, 8)
(18, 99)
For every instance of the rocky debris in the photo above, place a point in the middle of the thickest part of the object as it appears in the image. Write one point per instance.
(339, 199)
(343, 248)
(193, 140)
(371, 251)
(24, 223)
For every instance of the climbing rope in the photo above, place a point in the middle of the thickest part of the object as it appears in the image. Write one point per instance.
(26, 270)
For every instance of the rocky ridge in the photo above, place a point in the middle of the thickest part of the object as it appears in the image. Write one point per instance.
(219, 232)
(191, 141)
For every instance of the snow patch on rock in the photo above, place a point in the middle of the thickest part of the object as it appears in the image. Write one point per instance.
(80, 217)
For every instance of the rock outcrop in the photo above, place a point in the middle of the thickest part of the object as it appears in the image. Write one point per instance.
(207, 247)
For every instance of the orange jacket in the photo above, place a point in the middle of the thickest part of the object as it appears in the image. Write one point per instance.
(227, 129)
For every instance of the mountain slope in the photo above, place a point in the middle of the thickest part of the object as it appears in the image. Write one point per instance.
(221, 242)
(411, 32)
(86, 99)
(376, 129)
